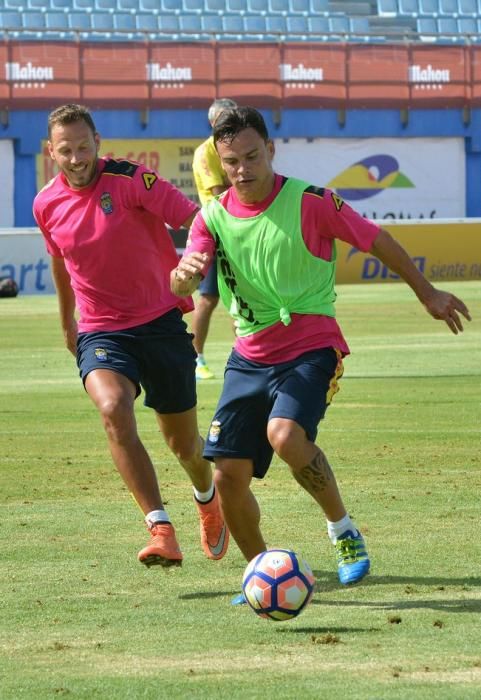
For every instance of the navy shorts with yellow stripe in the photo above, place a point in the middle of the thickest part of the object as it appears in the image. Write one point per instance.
(158, 356)
(253, 393)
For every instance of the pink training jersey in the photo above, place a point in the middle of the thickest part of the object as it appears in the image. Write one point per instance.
(324, 217)
(115, 244)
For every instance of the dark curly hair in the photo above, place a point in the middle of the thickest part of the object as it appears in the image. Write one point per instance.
(231, 121)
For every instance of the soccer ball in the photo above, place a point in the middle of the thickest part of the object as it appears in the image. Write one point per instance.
(278, 584)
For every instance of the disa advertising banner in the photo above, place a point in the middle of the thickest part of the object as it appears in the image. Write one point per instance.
(409, 178)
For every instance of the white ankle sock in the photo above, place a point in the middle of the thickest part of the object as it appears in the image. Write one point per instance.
(200, 359)
(335, 530)
(156, 516)
(204, 496)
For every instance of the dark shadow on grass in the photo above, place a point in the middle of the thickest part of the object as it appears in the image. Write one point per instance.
(327, 581)
(448, 606)
(198, 595)
(328, 630)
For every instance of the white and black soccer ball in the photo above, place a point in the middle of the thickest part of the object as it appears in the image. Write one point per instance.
(278, 584)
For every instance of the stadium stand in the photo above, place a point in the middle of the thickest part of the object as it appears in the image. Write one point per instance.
(193, 6)
(448, 8)
(297, 27)
(299, 7)
(79, 21)
(430, 8)
(239, 6)
(408, 8)
(149, 6)
(445, 21)
(9, 19)
(105, 6)
(468, 8)
(131, 6)
(217, 6)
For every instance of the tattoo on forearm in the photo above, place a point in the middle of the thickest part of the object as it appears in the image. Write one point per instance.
(314, 477)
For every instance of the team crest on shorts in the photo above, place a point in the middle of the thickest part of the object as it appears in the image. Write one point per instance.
(214, 431)
(101, 354)
(106, 203)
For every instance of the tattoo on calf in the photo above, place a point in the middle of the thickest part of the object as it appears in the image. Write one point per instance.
(315, 476)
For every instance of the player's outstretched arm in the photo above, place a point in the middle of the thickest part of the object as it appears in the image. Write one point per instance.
(441, 305)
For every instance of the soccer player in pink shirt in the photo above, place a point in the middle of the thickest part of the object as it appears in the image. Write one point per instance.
(104, 223)
(274, 238)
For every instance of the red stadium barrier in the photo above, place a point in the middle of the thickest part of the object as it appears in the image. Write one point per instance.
(131, 75)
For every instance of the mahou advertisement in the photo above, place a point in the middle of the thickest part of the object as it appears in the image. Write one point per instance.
(136, 75)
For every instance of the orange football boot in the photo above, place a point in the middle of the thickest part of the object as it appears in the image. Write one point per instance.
(162, 549)
(214, 535)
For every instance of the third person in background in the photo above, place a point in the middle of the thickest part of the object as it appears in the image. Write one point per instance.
(210, 180)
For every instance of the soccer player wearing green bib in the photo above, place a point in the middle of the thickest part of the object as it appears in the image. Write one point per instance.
(274, 238)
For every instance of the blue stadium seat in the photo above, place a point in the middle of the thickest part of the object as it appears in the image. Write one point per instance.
(33, 21)
(211, 24)
(427, 28)
(65, 5)
(124, 22)
(168, 24)
(39, 5)
(55, 20)
(276, 25)
(233, 27)
(105, 5)
(448, 28)
(236, 6)
(102, 21)
(190, 24)
(387, 8)
(84, 5)
(430, 8)
(408, 8)
(279, 7)
(359, 26)
(255, 24)
(172, 6)
(300, 7)
(319, 7)
(297, 27)
(467, 25)
(79, 21)
(146, 22)
(339, 25)
(128, 6)
(318, 26)
(448, 8)
(10, 20)
(258, 7)
(218, 6)
(468, 8)
(15, 5)
(193, 6)
(150, 6)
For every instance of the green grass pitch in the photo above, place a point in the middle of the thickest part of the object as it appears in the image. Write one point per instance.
(81, 618)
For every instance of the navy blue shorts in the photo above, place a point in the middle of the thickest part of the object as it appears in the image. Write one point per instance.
(300, 390)
(209, 283)
(157, 356)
